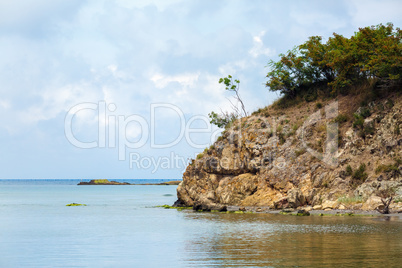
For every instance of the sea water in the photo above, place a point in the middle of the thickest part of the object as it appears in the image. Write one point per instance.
(120, 226)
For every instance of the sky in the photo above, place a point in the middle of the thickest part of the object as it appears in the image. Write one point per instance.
(122, 89)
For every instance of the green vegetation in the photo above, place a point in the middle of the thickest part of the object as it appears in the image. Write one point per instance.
(350, 200)
(75, 205)
(359, 121)
(103, 181)
(397, 130)
(300, 152)
(223, 120)
(360, 174)
(392, 168)
(365, 112)
(226, 119)
(373, 53)
(342, 118)
(301, 213)
(349, 170)
(171, 207)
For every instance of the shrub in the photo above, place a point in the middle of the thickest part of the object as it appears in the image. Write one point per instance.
(300, 152)
(318, 105)
(392, 168)
(349, 170)
(359, 121)
(397, 130)
(342, 118)
(368, 130)
(224, 120)
(365, 112)
(281, 137)
(360, 173)
(350, 200)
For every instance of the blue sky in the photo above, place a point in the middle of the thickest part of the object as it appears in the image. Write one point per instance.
(110, 61)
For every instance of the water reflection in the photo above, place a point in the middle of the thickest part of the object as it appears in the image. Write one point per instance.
(263, 240)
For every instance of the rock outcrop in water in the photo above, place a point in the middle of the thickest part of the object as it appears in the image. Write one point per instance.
(316, 154)
(103, 182)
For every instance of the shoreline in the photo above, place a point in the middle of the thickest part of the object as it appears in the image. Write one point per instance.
(320, 212)
(294, 212)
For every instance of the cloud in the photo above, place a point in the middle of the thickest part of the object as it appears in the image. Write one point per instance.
(57, 54)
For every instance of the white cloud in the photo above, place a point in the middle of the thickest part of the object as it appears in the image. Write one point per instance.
(259, 48)
(5, 104)
(56, 54)
(185, 80)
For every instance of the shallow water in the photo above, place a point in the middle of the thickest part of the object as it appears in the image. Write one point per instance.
(120, 227)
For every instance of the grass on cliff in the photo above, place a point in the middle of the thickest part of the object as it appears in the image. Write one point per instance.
(346, 200)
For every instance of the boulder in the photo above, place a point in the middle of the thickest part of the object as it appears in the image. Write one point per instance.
(373, 203)
(329, 204)
(303, 212)
(296, 198)
(317, 207)
(281, 203)
(365, 190)
(209, 207)
(342, 207)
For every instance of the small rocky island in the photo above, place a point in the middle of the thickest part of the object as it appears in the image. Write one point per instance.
(107, 182)
(103, 182)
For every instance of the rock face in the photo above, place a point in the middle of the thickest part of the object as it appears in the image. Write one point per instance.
(295, 157)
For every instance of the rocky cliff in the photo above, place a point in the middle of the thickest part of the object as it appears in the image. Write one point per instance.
(326, 154)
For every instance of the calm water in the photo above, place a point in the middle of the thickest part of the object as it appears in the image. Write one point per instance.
(120, 227)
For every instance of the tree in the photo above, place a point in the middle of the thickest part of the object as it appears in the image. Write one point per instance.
(224, 119)
(234, 86)
(372, 53)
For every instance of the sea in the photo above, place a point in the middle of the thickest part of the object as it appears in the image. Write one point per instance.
(123, 226)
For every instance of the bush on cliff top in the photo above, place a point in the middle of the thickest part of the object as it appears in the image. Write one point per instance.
(372, 53)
